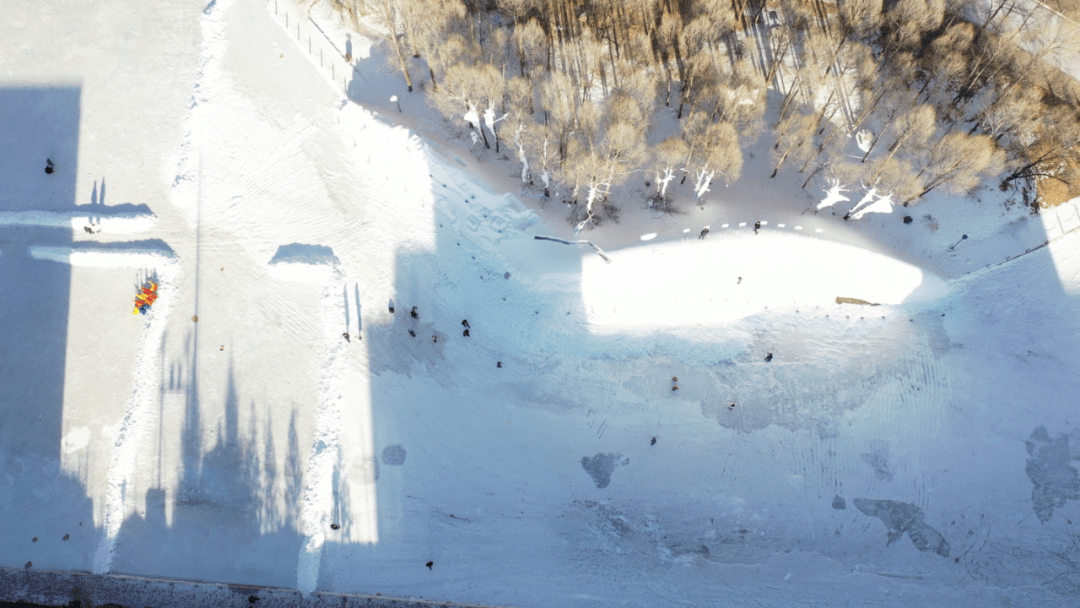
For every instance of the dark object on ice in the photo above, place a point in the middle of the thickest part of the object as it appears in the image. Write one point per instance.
(252, 599)
(507, 275)
(768, 357)
(731, 406)
(498, 364)
(67, 536)
(963, 238)
(413, 313)
(49, 166)
(434, 338)
(465, 333)
(674, 378)
(29, 565)
(739, 282)
(429, 565)
(907, 219)
(675, 387)
(412, 333)
(757, 226)
(335, 527)
(88, 229)
(839, 503)
(391, 307)
(847, 216)
(35, 539)
(653, 442)
(465, 322)
(704, 231)
(344, 335)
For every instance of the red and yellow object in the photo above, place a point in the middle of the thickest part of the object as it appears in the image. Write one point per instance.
(145, 299)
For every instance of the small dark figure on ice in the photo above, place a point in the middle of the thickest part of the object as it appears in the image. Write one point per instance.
(653, 442)
(768, 357)
(412, 333)
(704, 232)
(498, 364)
(465, 333)
(49, 166)
(465, 323)
(435, 338)
(413, 313)
(429, 565)
(757, 226)
(346, 336)
(731, 406)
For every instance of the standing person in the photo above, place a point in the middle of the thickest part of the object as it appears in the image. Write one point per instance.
(465, 323)
(49, 166)
(757, 226)
(704, 232)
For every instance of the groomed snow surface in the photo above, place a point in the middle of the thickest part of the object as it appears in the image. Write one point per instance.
(273, 422)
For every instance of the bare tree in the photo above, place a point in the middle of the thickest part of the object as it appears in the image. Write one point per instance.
(667, 156)
(1057, 144)
(913, 128)
(388, 14)
(794, 135)
(959, 162)
(598, 166)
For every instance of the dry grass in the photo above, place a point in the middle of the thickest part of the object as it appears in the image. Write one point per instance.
(1052, 192)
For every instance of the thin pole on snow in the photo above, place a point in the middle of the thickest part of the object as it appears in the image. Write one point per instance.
(963, 238)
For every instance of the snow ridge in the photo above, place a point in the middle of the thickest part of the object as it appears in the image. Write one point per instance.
(215, 43)
(318, 498)
(121, 223)
(142, 407)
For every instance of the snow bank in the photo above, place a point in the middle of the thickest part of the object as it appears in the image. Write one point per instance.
(123, 222)
(104, 258)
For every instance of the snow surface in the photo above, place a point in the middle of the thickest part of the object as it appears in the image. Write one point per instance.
(912, 453)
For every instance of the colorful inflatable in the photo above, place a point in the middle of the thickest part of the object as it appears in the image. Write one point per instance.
(144, 300)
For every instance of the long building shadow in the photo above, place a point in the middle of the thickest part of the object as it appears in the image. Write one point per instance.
(50, 520)
(225, 506)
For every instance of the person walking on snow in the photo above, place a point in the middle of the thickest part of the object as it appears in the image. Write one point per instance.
(704, 232)
(757, 226)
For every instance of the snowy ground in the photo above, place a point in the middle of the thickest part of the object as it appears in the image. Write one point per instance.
(912, 453)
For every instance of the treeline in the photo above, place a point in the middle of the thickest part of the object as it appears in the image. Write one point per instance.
(906, 98)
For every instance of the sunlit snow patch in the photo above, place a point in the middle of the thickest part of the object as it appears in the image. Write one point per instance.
(725, 279)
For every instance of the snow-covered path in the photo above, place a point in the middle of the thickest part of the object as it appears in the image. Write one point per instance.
(914, 452)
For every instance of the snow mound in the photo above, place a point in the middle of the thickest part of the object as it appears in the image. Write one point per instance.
(300, 262)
